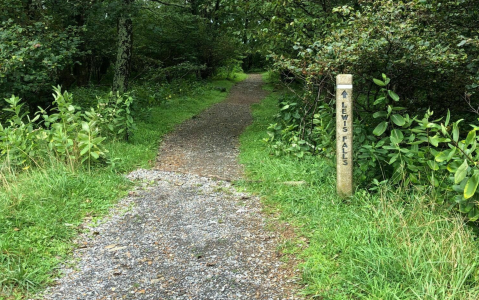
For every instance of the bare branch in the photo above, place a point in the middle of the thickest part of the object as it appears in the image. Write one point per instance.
(467, 98)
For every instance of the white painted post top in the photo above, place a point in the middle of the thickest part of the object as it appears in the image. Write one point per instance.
(344, 80)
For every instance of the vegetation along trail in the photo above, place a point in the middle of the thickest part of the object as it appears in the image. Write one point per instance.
(181, 235)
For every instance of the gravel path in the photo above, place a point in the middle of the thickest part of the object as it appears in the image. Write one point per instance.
(182, 236)
(208, 144)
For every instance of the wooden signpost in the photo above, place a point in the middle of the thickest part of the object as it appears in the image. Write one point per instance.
(344, 134)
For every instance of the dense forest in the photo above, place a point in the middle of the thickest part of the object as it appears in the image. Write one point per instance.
(118, 69)
(428, 49)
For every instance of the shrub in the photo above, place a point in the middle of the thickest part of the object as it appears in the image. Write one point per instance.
(64, 132)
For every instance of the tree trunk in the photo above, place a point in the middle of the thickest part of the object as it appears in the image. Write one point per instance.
(125, 45)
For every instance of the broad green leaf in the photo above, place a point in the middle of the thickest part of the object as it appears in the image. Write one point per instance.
(465, 206)
(461, 172)
(396, 136)
(379, 100)
(393, 95)
(379, 82)
(471, 136)
(84, 150)
(380, 114)
(473, 214)
(443, 130)
(393, 159)
(433, 165)
(442, 156)
(380, 129)
(471, 185)
(398, 120)
(451, 154)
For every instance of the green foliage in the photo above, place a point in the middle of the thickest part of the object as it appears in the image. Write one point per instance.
(427, 154)
(32, 56)
(65, 132)
(390, 146)
(429, 48)
(301, 131)
(113, 115)
(394, 244)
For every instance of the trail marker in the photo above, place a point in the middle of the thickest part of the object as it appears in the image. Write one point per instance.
(344, 134)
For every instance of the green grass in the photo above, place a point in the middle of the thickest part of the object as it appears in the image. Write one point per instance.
(41, 209)
(391, 245)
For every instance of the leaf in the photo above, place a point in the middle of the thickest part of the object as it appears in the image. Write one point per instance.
(84, 150)
(471, 136)
(451, 154)
(453, 166)
(461, 172)
(473, 214)
(398, 120)
(448, 118)
(462, 43)
(434, 140)
(380, 114)
(390, 109)
(471, 185)
(393, 95)
(393, 159)
(380, 129)
(455, 131)
(465, 206)
(379, 82)
(442, 156)
(396, 136)
(379, 100)
(433, 165)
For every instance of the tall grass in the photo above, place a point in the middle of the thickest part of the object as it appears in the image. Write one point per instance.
(388, 245)
(41, 209)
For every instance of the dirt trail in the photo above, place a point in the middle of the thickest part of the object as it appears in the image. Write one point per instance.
(184, 236)
(207, 145)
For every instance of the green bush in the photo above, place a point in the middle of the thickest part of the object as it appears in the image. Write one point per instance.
(64, 132)
(301, 129)
(427, 154)
(391, 147)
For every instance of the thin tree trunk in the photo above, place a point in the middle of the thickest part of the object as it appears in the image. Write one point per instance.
(125, 45)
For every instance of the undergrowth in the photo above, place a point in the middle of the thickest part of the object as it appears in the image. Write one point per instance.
(395, 244)
(42, 208)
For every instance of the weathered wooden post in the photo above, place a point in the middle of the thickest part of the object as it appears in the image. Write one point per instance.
(344, 134)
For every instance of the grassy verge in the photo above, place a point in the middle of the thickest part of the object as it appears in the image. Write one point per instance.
(40, 209)
(391, 245)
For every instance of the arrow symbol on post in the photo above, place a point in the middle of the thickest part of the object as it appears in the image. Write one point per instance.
(345, 95)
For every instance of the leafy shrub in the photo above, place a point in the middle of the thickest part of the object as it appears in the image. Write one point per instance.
(63, 132)
(114, 116)
(391, 147)
(427, 154)
(301, 131)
